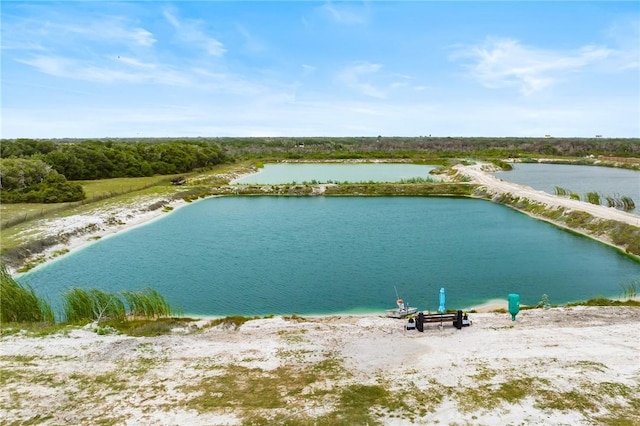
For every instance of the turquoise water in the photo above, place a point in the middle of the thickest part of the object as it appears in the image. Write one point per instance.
(273, 174)
(606, 181)
(270, 255)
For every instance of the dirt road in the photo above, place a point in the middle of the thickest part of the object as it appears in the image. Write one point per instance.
(496, 186)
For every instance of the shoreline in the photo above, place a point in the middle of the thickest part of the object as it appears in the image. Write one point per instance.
(496, 187)
(106, 229)
(126, 217)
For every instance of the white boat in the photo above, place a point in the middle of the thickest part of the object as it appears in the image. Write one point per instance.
(401, 311)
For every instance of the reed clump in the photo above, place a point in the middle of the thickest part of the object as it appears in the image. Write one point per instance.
(19, 303)
(147, 303)
(92, 305)
(95, 305)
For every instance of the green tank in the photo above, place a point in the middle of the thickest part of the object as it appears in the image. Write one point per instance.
(514, 305)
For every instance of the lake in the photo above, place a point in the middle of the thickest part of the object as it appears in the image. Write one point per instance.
(323, 255)
(273, 174)
(607, 181)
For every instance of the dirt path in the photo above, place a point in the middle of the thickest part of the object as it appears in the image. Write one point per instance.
(496, 186)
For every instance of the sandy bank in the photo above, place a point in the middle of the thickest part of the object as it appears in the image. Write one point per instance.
(88, 228)
(573, 366)
(496, 187)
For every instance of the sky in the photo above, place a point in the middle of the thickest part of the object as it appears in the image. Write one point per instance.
(97, 69)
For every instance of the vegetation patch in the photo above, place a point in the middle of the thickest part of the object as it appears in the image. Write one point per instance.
(19, 303)
(233, 321)
(149, 327)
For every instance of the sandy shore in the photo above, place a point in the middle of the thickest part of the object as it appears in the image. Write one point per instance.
(562, 366)
(88, 228)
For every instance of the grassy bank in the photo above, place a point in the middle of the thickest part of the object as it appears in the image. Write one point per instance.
(350, 189)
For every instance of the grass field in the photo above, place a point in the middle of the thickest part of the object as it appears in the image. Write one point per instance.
(16, 220)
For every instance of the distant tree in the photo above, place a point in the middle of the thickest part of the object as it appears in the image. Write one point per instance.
(34, 181)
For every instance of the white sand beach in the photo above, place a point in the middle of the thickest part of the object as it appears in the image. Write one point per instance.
(562, 366)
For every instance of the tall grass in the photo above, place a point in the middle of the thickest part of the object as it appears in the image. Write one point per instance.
(561, 192)
(593, 198)
(95, 305)
(627, 203)
(630, 289)
(147, 303)
(19, 303)
(92, 305)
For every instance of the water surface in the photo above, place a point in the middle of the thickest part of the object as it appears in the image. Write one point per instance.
(607, 181)
(282, 173)
(271, 255)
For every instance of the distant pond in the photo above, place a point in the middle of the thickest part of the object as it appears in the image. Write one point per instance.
(282, 173)
(607, 181)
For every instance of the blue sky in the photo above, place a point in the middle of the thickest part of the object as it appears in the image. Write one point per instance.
(302, 68)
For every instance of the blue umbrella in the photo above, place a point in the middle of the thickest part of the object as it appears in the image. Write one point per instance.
(441, 307)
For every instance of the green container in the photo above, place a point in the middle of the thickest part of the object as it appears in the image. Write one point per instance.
(514, 305)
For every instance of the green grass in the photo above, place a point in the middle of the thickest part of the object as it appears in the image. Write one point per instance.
(630, 289)
(149, 327)
(19, 303)
(602, 301)
(147, 303)
(233, 321)
(33, 329)
(97, 190)
(83, 306)
(103, 188)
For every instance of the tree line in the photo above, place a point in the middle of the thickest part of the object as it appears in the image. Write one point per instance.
(427, 147)
(39, 171)
(55, 162)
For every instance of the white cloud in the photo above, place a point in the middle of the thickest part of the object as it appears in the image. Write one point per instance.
(251, 43)
(506, 62)
(308, 69)
(136, 63)
(369, 79)
(53, 32)
(355, 76)
(227, 83)
(190, 31)
(229, 116)
(133, 70)
(345, 14)
(624, 35)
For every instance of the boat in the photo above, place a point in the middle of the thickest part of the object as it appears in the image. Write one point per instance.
(401, 311)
